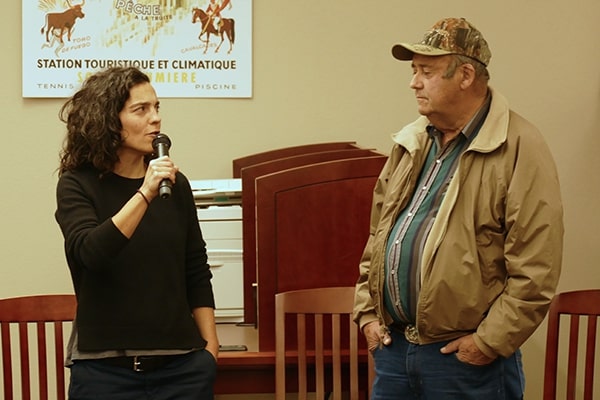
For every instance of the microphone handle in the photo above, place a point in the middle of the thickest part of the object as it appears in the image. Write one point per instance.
(165, 186)
(164, 189)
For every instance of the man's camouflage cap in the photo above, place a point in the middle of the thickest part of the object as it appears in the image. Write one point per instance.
(448, 36)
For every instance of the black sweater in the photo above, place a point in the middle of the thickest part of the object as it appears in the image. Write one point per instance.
(134, 293)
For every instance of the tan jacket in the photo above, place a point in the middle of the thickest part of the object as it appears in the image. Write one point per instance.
(492, 260)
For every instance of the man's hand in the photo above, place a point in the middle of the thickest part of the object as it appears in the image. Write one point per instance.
(466, 351)
(375, 335)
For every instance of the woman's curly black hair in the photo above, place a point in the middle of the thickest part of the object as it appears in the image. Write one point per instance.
(92, 118)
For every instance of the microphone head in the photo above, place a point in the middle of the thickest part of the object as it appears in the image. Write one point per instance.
(163, 139)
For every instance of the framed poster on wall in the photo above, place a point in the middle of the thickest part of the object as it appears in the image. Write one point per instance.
(189, 48)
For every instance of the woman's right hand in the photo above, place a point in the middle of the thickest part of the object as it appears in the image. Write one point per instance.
(158, 169)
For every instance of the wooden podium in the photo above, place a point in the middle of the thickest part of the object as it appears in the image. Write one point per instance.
(305, 216)
(249, 175)
(242, 162)
(312, 223)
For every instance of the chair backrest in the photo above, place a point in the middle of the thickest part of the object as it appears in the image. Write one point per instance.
(42, 317)
(340, 361)
(576, 307)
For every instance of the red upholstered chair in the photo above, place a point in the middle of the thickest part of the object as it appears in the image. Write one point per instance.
(34, 325)
(580, 309)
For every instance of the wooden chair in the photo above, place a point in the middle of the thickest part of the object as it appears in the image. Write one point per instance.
(44, 318)
(340, 361)
(574, 306)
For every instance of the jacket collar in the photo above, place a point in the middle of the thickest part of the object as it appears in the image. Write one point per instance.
(492, 134)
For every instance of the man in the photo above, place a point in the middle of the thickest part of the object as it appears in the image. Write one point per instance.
(465, 244)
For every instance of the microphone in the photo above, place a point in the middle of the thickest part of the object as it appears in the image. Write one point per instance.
(161, 145)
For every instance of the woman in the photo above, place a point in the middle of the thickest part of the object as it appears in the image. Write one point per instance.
(145, 324)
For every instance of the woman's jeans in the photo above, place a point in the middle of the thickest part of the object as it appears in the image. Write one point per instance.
(190, 376)
(406, 371)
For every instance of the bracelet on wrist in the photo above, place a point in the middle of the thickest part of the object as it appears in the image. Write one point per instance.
(143, 196)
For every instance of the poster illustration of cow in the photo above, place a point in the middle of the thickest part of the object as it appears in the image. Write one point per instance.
(63, 21)
(59, 23)
(64, 41)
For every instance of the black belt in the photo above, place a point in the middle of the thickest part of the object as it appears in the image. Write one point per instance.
(141, 363)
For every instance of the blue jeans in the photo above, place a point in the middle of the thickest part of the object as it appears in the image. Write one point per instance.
(190, 376)
(406, 371)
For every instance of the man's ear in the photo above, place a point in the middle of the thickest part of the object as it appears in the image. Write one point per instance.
(468, 75)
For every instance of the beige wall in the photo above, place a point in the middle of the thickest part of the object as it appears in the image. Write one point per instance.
(323, 72)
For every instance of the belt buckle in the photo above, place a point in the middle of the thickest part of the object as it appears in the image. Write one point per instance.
(137, 364)
(411, 334)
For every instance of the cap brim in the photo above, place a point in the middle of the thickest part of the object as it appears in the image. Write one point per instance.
(405, 51)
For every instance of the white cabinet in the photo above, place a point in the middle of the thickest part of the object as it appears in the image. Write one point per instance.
(221, 225)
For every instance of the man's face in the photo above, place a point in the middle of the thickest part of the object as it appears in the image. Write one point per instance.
(435, 94)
